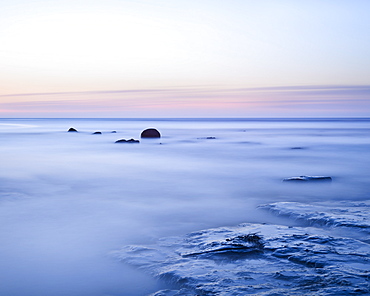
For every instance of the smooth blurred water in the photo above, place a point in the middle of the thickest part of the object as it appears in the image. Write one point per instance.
(68, 199)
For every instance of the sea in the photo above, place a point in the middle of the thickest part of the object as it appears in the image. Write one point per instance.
(206, 209)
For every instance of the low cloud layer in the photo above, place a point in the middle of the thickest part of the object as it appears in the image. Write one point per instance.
(289, 101)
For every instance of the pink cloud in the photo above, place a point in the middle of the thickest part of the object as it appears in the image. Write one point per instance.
(189, 102)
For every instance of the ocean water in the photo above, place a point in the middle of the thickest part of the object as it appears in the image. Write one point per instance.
(68, 201)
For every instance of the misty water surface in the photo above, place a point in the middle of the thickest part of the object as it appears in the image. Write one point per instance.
(69, 199)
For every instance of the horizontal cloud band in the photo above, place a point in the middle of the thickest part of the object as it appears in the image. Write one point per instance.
(293, 101)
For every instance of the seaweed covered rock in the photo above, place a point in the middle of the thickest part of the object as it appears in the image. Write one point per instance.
(72, 130)
(127, 141)
(150, 133)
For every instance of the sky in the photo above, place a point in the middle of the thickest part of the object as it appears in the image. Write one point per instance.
(177, 58)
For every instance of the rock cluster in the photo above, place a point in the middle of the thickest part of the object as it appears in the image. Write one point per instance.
(147, 133)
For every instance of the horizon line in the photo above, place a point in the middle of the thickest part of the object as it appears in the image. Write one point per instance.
(196, 118)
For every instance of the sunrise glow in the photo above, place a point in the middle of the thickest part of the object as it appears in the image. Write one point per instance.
(176, 58)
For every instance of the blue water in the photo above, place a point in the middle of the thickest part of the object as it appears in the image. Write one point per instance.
(68, 199)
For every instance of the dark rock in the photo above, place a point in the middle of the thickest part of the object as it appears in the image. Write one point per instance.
(150, 133)
(308, 179)
(97, 133)
(72, 130)
(208, 138)
(127, 141)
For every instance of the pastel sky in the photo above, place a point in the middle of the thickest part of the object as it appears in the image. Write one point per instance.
(177, 58)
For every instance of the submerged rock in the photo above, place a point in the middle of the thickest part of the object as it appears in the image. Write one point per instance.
(96, 133)
(73, 130)
(127, 141)
(255, 259)
(308, 179)
(150, 133)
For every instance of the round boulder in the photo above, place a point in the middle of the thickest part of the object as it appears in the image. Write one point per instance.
(150, 133)
(72, 129)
